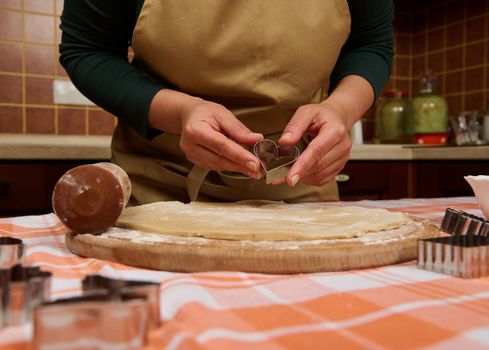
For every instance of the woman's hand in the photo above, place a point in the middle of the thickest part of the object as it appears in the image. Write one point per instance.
(329, 150)
(330, 122)
(205, 130)
(211, 136)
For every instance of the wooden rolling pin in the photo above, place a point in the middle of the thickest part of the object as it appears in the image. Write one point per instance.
(90, 198)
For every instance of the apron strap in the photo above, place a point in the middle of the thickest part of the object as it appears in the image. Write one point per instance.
(194, 181)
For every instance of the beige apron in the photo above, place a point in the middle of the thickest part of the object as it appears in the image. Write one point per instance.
(262, 59)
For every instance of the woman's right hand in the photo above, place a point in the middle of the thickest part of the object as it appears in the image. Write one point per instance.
(211, 136)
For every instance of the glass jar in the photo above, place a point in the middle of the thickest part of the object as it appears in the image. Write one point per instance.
(467, 128)
(393, 116)
(430, 113)
(485, 125)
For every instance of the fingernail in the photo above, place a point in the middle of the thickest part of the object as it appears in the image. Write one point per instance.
(295, 180)
(287, 135)
(252, 166)
(252, 174)
(277, 182)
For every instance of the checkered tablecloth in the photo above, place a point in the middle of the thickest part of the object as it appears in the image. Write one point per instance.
(392, 307)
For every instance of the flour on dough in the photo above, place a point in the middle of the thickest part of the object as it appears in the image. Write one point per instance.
(267, 221)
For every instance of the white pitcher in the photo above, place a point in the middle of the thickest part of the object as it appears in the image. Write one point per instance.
(480, 185)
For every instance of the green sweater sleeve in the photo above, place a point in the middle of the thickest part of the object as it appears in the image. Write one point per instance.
(96, 35)
(369, 49)
(95, 40)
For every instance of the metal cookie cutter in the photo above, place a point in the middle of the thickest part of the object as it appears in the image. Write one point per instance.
(96, 321)
(148, 290)
(22, 289)
(459, 256)
(110, 313)
(465, 254)
(11, 252)
(275, 160)
(458, 222)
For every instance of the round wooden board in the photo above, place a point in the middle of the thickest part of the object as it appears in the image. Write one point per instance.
(193, 254)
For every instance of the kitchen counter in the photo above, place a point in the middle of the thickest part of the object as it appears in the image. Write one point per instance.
(48, 147)
(415, 152)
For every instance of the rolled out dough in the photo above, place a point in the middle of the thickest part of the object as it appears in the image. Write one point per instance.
(267, 221)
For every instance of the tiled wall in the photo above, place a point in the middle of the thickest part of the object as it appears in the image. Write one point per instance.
(449, 36)
(29, 38)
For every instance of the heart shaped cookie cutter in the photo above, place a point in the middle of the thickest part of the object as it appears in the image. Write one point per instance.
(275, 160)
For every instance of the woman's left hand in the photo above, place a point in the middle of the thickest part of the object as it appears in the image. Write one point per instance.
(327, 153)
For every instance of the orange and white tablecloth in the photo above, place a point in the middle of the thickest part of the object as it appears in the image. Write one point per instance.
(392, 307)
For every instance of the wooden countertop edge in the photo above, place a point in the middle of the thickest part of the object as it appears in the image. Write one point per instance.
(79, 147)
(413, 152)
(50, 147)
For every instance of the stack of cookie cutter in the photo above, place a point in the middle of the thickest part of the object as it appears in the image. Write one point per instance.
(465, 253)
(110, 313)
(22, 289)
(275, 160)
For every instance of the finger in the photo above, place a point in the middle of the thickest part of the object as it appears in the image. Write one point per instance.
(278, 181)
(313, 153)
(340, 152)
(297, 125)
(225, 147)
(329, 136)
(205, 158)
(326, 174)
(237, 130)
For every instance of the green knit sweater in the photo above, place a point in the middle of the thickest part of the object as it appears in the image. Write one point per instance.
(96, 35)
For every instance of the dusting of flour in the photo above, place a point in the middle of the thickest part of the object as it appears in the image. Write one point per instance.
(259, 221)
(382, 237)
